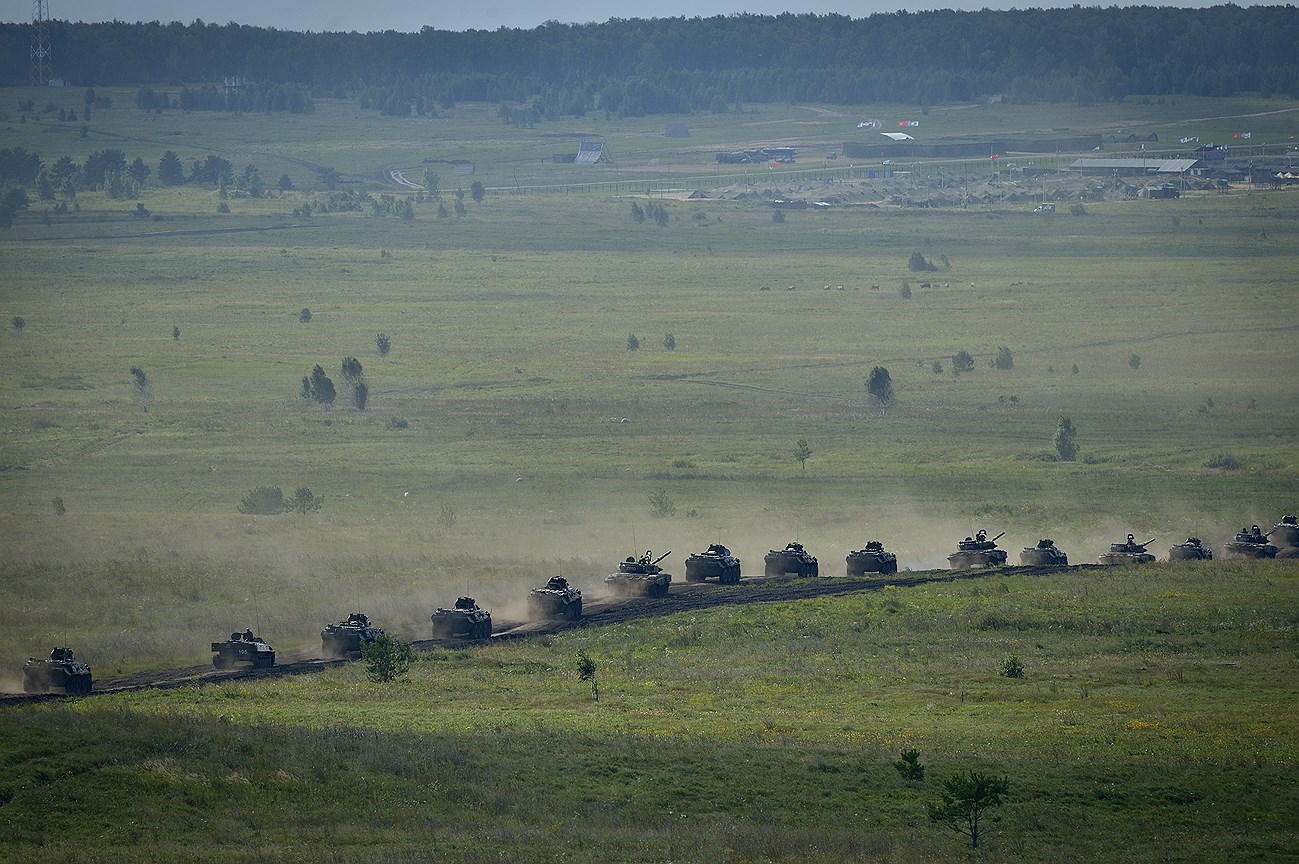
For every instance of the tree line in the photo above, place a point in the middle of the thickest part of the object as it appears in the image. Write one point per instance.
(670, 65)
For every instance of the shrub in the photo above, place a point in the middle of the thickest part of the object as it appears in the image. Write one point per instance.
(633, 344)
(57, 503)
(1004, 359)
(1012, 668)
(387, 659)
(19, 323)
(661, 505)
(938, 367)
(1066, 440)
(1225, 461)
(264, 501)
(920, 264)
(383, 343)
(905, 291)
(909, 765)
(396, 423)
(303, 501)
(670, 342)
(1134, 360)
(305, 315)
(962, 361)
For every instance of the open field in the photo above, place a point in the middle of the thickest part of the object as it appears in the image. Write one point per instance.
(510, 435)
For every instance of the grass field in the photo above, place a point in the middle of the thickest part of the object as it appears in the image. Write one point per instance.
(494, 453)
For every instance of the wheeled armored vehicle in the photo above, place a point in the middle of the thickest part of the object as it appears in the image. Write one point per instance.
(242, 648)
(1044, 554)
(555, 599)
(977, 551)
(1285, 534)
(715, 562)
(871, 559)
(1251, 543)
(465, 619)
(641, 577)
(792, 559)
(1192, 550)
(63, 671)
(1127, 552)
(349, 636)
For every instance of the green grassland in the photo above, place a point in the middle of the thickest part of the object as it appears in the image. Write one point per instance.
(745, 735)
(1155, 722)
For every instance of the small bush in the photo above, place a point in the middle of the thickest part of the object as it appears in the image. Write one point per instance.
(396, 423)
(1012, 668)
(303, 501)
(387, 659)
(1134, 360)
(264, 501)
(938, 367)
(305, 315)
(669, 342)
(1224, 461)
(920, 264)
(962, 361)
(905, 291)
(661, 505)
(909, 765)
(57, 503)
(633, 344)
(1004, 359)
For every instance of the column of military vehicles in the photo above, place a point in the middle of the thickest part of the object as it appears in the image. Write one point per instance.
(557, 600)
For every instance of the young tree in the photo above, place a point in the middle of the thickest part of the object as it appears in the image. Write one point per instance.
(305, 315)
(477, 191)
(175, 333)
(1066, 440)
(319, 387)
(1134, 360)
(431, 182)
(303, 501)
(170, 170)
(386, 659)
(962, 361)
(633, 344)
(139, 171)
(1004, 359)
(670, 342)
(880, 386)
(661, 505)
(286, 183)
(919, 263)
(264, 501)
(586, 670)
(143, 389)
(966, 799)
(637, 213)
(383, 343)
(802, 453)
(19, 323)
(909, 765)
(361, 396)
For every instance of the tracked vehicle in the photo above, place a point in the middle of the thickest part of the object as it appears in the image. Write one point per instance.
(555, 599)
(715, 562)
(1250, 543)
(871, 559)
(792, 559)
(1285, 534)
(640, 578)
(349, 636)
(977, 551)
(1192, 550)
(1128, 552)
(242, 648)
(63, 671)
(465, 619)
(1044, 554)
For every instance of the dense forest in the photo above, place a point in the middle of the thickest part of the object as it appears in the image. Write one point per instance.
(636, 67)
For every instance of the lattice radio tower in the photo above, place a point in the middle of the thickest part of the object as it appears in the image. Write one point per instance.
(40, 67)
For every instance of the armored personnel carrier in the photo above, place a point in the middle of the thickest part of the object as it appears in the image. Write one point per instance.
(347, 637)
(465, 619)
(640, 578)
(1128, 552)
(63, 671)
(1250, 543)
(555, 599)
(1191, 550)
(872, 559)
(977, 551)
(1285, 534)
(1044, 554)
(242, 648)
(792, 559)
(714, 562)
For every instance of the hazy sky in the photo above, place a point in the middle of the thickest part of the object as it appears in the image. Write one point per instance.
(411, 15)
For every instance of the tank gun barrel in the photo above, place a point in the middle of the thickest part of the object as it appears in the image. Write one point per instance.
(661, 557)
(1148, 542)
(998, 537)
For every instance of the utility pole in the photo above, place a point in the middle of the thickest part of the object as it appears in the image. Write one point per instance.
(40, 63)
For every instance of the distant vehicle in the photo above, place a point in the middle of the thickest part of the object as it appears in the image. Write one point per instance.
(348, 637)
(1044, 208)
(1191, 550)
(61, 672)
(1250, 543)
(871, 559)
(555, 599)
(792, 559)
(242, 648)
(977, 551)
(465, 619)
(1044, 554)
(888, 162)
(1128, 552)
(714, 562)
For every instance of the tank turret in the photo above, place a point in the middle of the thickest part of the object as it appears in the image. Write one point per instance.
(1044, 554)
(640, 577)
(1127, 552)
(1250, 543)
(978, 551)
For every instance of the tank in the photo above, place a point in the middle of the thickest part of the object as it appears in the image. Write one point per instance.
(977, 551)
(871, 559)
(1191, 550)
(242, 648)
(792, 559)
(715, 562)
(1285, 534)
(640, 578)
(1044, 554)
(555, 599)
(347, 637)
(1128, 552)
(1250, 543)
(63, 671)
(465, 619)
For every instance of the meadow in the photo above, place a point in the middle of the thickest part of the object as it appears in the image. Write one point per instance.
(510, 435)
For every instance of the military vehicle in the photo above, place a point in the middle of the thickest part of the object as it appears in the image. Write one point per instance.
(792, 559)
(714, 562)
(1191, 550)
(640, 578)
(977, 551)
(347, 637)
(1285, 534)
(465, 619)
(872, 559)
(555, 599)
(1251, 543)
(63, 671)
(242, 648)
(1128, 552)
(1044, 554)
